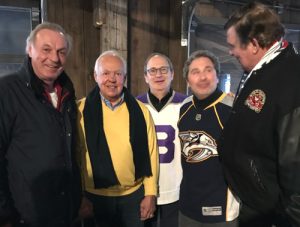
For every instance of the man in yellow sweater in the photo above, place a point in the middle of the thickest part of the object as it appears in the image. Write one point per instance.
(119, 153)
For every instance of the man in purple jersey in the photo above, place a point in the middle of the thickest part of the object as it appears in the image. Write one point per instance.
(164, 103)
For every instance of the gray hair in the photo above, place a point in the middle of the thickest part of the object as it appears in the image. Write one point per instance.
(161, 55)
(50, 26)
(111, 53)
(199, 54)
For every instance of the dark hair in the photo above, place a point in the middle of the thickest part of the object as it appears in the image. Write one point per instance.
(199, 54)
(256, 20)
(161, 55)
(50, 26)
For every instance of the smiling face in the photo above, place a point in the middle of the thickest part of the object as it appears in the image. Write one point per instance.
(48, 55)
(110, 77)
(202, 77)
(160, 81)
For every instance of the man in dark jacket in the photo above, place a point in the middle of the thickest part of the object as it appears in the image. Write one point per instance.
(260, 146)
(39, 178)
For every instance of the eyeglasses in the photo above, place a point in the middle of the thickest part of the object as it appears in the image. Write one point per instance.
(162, 70)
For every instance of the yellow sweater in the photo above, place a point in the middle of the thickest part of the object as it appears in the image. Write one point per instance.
(116, 128)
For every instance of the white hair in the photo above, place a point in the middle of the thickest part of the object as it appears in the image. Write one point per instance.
(110, 53)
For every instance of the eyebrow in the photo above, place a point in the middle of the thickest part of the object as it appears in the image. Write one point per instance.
(153, 67)
(206, 67)
(49, 46)
(46, 45)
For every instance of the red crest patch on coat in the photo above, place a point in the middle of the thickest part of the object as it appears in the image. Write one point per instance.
(256, 100)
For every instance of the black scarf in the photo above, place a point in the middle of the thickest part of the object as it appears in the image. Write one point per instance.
(102, 166)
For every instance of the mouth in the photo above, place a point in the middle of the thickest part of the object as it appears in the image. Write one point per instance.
(54, 67)
(111, 87)
(202, 86)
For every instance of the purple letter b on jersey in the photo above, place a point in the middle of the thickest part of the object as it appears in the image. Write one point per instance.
(166, 144)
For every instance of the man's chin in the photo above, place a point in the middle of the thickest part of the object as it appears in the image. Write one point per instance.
(53, 74)
(49, 78)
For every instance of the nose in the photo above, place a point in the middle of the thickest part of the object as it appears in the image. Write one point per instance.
(112, 76)
(54, 56)
(202, 75)
(158, 73)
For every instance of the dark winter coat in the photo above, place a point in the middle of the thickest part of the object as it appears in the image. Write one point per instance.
(39, 177)
(260, 146)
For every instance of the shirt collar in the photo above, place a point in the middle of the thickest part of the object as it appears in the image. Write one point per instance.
(108, 103)
(203, 103)
(159, 104)
(272, 53)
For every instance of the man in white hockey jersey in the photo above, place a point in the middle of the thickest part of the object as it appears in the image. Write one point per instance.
(164, 103)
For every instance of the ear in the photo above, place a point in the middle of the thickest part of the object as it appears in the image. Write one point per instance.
(255, 45)
(187, 83)
(29, 50)
(172, 75)
(125, 79)
(146, 79)
(95, 76)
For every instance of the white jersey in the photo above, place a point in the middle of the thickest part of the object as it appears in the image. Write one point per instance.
(170, 171)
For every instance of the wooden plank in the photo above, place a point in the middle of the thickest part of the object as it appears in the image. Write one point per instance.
(141, 43)
(55, 11)
(177, 53)
(114, 30)
(91, 36)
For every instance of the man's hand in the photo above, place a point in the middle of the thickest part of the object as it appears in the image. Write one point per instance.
(148, 207)
(86, 208)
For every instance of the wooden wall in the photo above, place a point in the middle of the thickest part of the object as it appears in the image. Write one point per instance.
(113, 29)
(135, 28)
